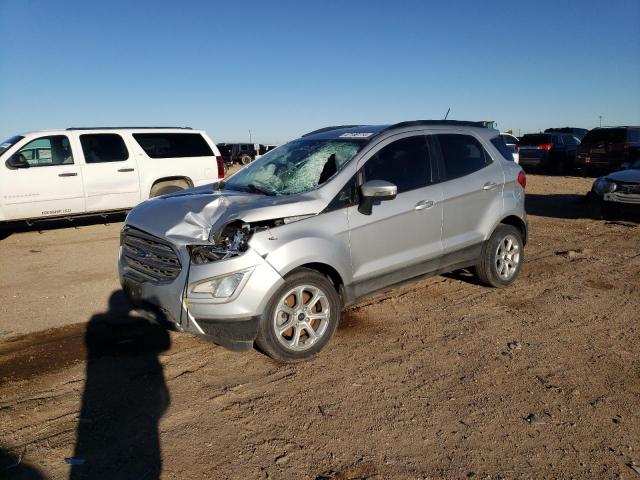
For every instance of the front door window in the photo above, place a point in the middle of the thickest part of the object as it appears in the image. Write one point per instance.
(47, 151)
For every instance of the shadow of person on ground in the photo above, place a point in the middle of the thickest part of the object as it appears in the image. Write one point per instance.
(13, 466)
(124, 397)
(10, 228)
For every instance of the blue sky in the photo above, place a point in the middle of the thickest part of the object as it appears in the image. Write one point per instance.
(284, 68)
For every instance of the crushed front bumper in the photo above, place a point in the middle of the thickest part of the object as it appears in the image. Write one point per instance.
(232, 322)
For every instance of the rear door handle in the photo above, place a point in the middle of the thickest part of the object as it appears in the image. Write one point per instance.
(489, 186)
(68, 174)
(125, 169)
(423, 204)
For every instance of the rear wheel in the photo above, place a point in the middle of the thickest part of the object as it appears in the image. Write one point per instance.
(245, 159)
(300, 318)
(502, 257)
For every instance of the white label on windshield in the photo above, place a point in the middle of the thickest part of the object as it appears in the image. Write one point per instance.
(355, 135)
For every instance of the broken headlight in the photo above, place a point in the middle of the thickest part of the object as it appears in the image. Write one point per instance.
(233, 241)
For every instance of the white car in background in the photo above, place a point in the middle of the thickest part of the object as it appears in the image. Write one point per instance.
(512, 143)
(60, 173)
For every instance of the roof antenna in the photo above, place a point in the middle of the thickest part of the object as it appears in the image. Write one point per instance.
(448, 110)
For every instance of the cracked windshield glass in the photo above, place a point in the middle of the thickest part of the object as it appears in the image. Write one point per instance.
(297, 167)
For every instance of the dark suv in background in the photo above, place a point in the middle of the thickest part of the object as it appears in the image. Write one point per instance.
(553, 152)
(608, 148)
(576, 132)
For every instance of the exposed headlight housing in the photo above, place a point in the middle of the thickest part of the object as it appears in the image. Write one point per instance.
(231, 242)
(224, 286)
(604, 185)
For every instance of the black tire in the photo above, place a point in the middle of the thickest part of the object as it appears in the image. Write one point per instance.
(245, 159)
(486, 269)
(166, 190)
(267, 339)
(167, 186)
(559, 167)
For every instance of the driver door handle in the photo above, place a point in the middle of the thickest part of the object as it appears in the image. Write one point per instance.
(68, 174)
(489, 186)
(125, 169)
(423, 204)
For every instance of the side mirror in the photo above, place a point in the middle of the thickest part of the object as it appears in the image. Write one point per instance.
(375, 190)
(16, 161)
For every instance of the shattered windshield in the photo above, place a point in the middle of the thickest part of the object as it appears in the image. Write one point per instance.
(297, 167)
(10, 142)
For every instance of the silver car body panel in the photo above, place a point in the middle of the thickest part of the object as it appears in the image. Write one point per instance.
(418, 232)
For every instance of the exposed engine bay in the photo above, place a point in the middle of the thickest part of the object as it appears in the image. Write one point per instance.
(231, 241)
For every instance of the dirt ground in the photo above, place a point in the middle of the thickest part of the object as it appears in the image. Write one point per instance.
(440, 379)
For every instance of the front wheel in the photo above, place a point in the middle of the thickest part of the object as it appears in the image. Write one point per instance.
(502, 257)
(300, 318)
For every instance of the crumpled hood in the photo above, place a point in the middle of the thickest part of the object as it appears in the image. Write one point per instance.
(632, 176)
(192, 216)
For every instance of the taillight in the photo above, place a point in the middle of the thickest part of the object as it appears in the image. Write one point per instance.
(522, 179)
(517, 147)
(545, 146)
(220, 161)
(626, 147)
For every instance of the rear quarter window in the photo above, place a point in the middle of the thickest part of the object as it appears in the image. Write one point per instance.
(501, 146)
(173, 145)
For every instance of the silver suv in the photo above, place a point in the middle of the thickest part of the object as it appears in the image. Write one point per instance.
(272, 254)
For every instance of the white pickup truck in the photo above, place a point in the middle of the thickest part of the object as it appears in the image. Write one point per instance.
(59, 173)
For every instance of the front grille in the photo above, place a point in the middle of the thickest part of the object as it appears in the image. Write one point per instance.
(629, 188)
(148, 258)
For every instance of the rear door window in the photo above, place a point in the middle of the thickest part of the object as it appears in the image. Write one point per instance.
(173, 145)
(461, 155)
(405, 163)
(103, 147)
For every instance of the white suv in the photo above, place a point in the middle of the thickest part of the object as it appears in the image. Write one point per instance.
(80, 170)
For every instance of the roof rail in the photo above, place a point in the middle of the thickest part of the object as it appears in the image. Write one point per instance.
(328, 129)
(129, 128)
(415, 123)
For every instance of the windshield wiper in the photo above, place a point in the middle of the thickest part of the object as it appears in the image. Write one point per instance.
(253, 189)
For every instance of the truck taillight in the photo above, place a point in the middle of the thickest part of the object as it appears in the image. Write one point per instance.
(517, 147)
(545, 146)
(220, 161)
(522, 179)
